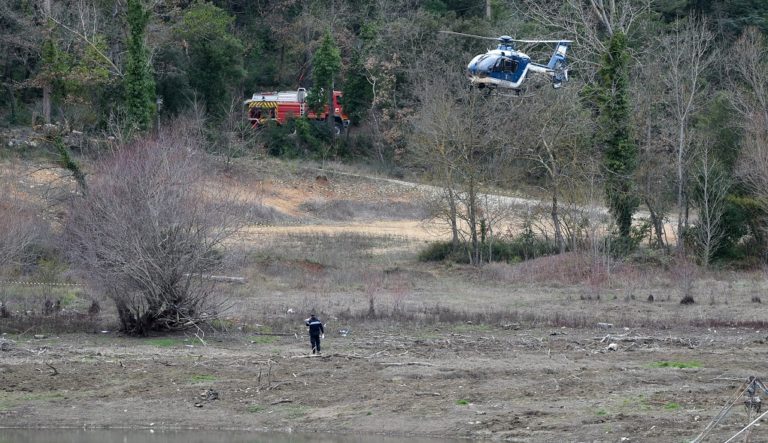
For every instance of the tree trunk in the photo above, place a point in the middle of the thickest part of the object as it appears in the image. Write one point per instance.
(680, 185)
(454, 222)
(47, 85)
(556, 222)
(657, 223)
(475, 253)
(331, 112)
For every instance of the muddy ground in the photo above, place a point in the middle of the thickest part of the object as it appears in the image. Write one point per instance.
(500, 366)
(502, 382)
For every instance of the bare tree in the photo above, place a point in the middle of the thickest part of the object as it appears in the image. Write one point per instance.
(552, 132)
(151, 230)
(712, 186)
(687, 53)
(587, 23)
(457, 137)
(656, 174)
(21, 225)
(749, 80)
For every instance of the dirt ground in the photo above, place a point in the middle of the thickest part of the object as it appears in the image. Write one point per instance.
(511, 384)
(537, 366)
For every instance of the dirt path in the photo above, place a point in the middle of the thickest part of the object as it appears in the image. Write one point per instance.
(467, 381)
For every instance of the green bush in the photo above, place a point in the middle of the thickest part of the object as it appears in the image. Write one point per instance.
(299, 138)
(523, 247)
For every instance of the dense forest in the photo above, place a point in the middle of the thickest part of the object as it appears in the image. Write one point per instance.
(665, 112)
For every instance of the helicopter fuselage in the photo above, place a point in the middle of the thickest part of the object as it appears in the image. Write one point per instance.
(502, 68)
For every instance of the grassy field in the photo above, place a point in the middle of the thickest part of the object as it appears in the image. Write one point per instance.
(515, 352)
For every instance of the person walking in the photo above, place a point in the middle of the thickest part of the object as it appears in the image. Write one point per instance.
(316, 332)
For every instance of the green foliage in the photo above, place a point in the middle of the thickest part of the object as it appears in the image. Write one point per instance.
(326, 65)
(518, 249)
(67, 162)
(718, 126)
(621, 246)
(138, 84)
(741, 225)
(299, 138)
(457, 8)
(358, 91)
(172, 81)
(615, 133)
(462, 402)
(164, 342)
(255, 409)
(215, 54)
(677, 364)
(80, 78)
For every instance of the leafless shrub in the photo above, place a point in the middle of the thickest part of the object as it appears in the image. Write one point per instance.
(568, 268)
(373, 281)
(21, 225)
(685, 273)
(150, 230)
(35, 322)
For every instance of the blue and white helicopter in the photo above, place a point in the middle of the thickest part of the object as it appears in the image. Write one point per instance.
(506, 68)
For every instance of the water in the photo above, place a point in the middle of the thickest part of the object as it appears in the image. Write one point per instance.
(146, 436)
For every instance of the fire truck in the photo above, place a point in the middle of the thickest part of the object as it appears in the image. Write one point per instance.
(279, 106)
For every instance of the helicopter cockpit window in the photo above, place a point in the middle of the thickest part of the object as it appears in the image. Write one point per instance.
(505, 65)
(509, 65)
(486, 63)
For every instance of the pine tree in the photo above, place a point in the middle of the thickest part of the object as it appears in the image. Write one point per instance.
(358, 93)
(215, 54)
(138, 81)
(326, 64)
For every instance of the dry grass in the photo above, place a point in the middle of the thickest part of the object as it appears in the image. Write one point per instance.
(343, 245)
(365, 210)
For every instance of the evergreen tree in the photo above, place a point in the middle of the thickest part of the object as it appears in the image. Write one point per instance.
(138, 81)
(326, 64)
(215, 55)
(358, 93)
(615, 133)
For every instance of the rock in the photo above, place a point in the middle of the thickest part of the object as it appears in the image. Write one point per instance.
(612, 347)
(6, 345)
(39, 336)
(605, 325)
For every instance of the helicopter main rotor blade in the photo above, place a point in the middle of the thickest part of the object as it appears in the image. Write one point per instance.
(469, 35)
(542, 41)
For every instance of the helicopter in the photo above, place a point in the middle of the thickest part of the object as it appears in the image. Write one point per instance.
(506, 68)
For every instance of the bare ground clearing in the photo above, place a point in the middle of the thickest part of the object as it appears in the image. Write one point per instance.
(471, 381)
(508, 352)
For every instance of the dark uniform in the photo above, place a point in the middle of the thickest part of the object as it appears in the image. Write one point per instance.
(315, 330)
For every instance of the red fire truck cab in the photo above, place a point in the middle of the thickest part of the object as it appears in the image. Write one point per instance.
(282, 105)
